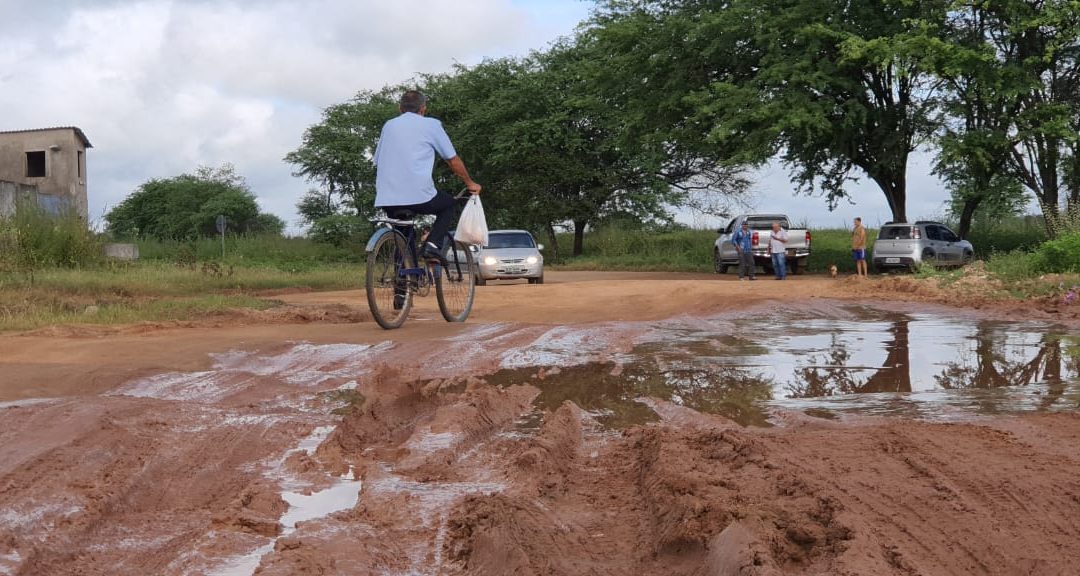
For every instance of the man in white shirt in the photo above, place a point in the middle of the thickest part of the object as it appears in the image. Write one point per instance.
(404, 160)
(777, 247)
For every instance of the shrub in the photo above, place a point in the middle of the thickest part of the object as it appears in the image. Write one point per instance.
(33, 239)
(1014, 265)
(1059, 255)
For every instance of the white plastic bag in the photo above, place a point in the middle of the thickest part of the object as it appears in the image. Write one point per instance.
(472, 226)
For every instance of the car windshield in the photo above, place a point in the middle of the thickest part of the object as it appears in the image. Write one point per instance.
(895, 233)
(515, 240)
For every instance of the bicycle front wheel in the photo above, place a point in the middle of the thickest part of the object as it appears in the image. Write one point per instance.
(455, 285)
(389, 293)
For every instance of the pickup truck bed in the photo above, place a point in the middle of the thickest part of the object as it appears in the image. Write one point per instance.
(798, 246)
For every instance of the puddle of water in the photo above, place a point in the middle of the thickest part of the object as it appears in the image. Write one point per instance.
(302, 507)
(610, 392)
(342, 495)
(870, 362)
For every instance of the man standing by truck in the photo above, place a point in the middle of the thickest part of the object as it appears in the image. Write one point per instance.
(742, 241)
(858, 247)
(777, 248)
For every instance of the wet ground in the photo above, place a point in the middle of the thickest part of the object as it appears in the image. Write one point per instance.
(864, 362)
(822, 437)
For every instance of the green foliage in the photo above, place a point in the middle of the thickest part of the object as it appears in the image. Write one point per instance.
(833, 247)
(690, 250)
(337, 155)
(1061, 254)
(827, 86)
(187, 206)
(1002, 235)
(1017, 265)
(33, 240)
(342, 231)
(620, 249)
(250, 250)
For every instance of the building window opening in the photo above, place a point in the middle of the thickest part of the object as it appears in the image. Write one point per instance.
(35, 164)
(79, 163)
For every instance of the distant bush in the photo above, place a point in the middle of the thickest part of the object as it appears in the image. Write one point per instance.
(341, 230)
(1059, 255)
(250, 250)
(1020, 233)
(33, 239)
(1014, 265)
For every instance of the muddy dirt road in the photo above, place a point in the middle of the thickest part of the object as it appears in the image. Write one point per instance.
(597, 424)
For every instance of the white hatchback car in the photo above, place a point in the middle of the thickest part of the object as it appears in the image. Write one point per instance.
(903, 245)
(510, 254)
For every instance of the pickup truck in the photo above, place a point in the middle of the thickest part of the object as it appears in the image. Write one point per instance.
(798, 245)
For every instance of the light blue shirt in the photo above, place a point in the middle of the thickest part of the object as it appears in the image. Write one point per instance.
(405, 158)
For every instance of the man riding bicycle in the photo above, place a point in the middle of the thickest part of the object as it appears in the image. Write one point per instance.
(404, 160)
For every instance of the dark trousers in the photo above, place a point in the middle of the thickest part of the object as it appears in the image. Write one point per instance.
(746, 264)
(441, 206)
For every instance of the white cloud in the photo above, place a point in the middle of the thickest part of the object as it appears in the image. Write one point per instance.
(162, 86)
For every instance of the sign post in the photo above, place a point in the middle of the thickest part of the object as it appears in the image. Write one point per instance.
(221, 229)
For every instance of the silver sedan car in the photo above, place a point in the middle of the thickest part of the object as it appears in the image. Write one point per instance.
(510, 254)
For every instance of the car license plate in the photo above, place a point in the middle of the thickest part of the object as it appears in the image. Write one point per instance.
(892, 260)
(514, 270)
(791, 253)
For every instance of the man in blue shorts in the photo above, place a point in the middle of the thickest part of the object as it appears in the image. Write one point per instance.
(858, 247)
(404, 160)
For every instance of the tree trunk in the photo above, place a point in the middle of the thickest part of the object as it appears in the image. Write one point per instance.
(895, 188)
(579, 236)
(554, 242)
(967, 214)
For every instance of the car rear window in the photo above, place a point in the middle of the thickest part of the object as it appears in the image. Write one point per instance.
(766, 223)
(514, 240)
(894, 233)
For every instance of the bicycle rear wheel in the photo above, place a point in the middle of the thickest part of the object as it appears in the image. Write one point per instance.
(389, 293)
(455, 285)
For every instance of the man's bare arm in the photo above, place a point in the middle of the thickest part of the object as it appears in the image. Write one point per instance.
(458, 167)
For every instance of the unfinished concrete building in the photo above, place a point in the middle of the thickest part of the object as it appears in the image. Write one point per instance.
(49, 163)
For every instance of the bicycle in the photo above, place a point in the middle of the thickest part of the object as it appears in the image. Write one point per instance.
(394, 275)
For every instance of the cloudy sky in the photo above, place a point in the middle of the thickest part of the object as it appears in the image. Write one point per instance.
(163, 86)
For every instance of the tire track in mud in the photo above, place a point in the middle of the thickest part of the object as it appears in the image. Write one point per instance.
(184, 473)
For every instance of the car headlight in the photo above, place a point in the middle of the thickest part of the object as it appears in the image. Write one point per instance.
(532, 260)
(490, 261)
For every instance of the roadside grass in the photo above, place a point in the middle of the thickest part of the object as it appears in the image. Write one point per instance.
(288, 254)
(156, 279)
(153, 291)
(37, 310)
(687, 250)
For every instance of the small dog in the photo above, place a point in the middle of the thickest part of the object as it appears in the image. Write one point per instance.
(832, 270)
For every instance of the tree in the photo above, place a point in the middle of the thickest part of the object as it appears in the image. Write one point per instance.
(1038, 43)
(651, 62)
(826, 86)
(337, 152)
(186, 207)
(545, 141)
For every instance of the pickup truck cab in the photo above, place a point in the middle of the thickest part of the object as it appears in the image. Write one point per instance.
(798, 245)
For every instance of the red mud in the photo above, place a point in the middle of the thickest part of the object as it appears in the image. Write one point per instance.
(173, 462)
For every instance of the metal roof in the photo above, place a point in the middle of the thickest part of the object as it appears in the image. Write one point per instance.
(78, 132)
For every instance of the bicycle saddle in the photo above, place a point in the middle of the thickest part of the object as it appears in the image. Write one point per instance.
(401, 214)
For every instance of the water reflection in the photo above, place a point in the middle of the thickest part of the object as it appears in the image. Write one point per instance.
(610, 391)
(873, 362)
